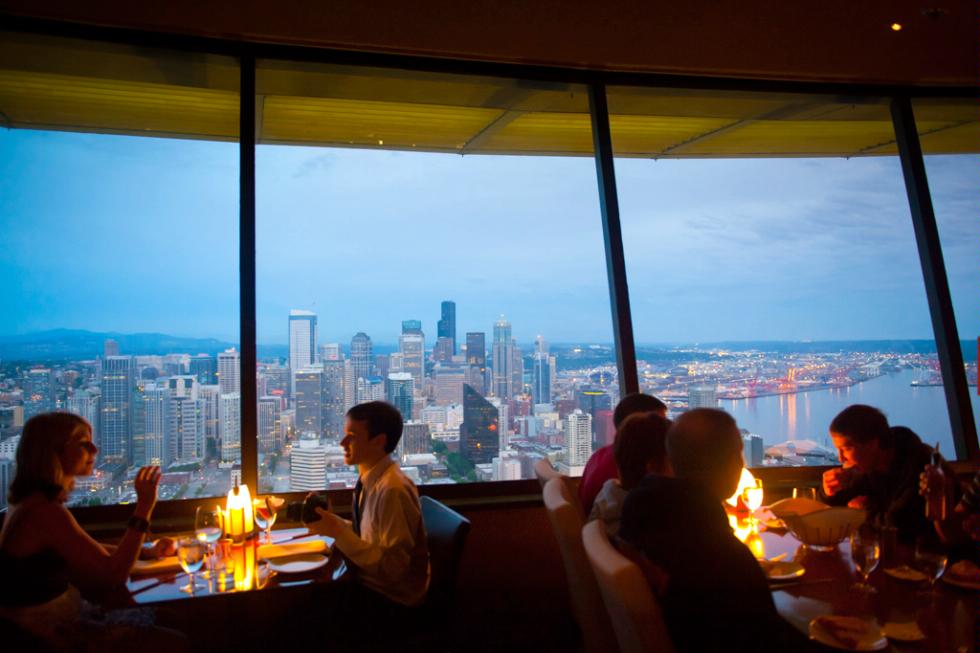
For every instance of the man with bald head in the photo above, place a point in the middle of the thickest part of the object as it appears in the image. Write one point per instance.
(716, 597)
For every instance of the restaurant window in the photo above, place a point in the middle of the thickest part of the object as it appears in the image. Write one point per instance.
(433, 241)
(772, 265)
(118, 196)
(949, 131)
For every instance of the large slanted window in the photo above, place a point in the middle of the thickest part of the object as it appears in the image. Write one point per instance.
(772, 265)
(118, 201)
(426, 239)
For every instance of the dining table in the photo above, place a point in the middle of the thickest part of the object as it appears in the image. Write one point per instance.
(946, 614)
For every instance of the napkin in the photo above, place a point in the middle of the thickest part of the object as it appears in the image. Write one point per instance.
(309, 544)
(157, 566)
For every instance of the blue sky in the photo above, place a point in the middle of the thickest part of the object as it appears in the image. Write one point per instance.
(139, 234)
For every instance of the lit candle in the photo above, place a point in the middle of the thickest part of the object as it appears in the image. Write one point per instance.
(239, 514)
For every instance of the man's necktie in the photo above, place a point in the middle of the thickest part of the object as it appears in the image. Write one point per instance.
(356, 507)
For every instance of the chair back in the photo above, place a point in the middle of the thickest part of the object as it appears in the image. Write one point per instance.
(587, 605)
(631, 604)
(446, 532)
(544, 471)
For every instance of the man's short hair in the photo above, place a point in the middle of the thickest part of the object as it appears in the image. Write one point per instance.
(863, 424)
(640, 439)
(381, 418)
(637, 403)
(701, 442)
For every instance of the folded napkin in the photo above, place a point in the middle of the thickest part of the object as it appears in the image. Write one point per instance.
(157, 566)
(309, 544)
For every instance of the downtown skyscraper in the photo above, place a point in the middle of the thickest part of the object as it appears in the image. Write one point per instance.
(118, 384)
(479, 434)
(447, 323)
(302, 340)
(541, 381)
(503, 359)
(361, 355)
(411, 345)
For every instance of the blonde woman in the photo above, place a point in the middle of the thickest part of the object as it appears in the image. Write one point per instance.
(44, 553)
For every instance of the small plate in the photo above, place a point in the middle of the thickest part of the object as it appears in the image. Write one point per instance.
(907, 631)
(962, 584)
(297, 564)
(781, 570)
(872, 638)
(906, 573)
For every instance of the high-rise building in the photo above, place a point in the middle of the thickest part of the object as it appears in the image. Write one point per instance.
(332, 400)
(447, 323)
(302, 340)
(517, 369)
(331, 352)
(186, 439)
(447, 383)
(411, 346)
(416, 439)
(230, 371)
(370, 389)
(702, 396)
(476, 360)
(578, 437)
(350, 385)
(412, 327)
(502, 359)
(382, 365)
(156, 421)
(309, 402)
(400, 390)
(205, 368)
(269, 427)
(541, 377)
(753, 449)
(230, 427)
(118, 384)
(176, 364)
(209, 397)
(110, 348)
(361, 355)
(479, 439)
(308, 464)
(7, 468)
(442, 352)
(40, 392)
(85, 403)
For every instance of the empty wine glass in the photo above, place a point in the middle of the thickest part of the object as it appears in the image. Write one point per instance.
(265, 516)
(190, 554)
(865, 552)
(930, 559)
(208, 527)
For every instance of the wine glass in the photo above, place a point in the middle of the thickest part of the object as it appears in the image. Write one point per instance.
(865, 552)
(208, 527)
(265, 516)
(752, 496)
(930, 559)
(805, 493)
(190, 554)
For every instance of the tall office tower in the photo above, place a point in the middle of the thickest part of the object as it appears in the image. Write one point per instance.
(13, 417)
(85, 403)
(205, 368)
(442, 352)
(476, 360)
(208, 398)
(702, 396)
(412, 327)
(382, 365)
(370, 389)
(230, 371)
(40, 390)
(277, 380)
(400, 390)
(309, 401)
(110, 348)
(7, 468)
(447, 324)
(411, 345)
(396, 362)
(270, 409)
(502, 359)
(416, 439)
(447, 382)
(578, 437)
(350, 385)
(185, 429)
(118, 384)
(287, 425)
(507, 467)
(230, 427)
(331, 352)
(517, 369)
(302, 340)
(361, 355)
(553, 364)
(753, 449)
(541, 377)
(332, 400)
(479, 439)
(156, 421)
(308, 464)
(176, 364)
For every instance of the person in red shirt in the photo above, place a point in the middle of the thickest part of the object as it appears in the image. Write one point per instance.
(602, 466)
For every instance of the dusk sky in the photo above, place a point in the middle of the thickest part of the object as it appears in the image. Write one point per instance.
(115, 233)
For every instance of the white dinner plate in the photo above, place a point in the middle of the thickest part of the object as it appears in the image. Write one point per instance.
(906, 573)
(873, 638)
(781, 569)
(297, 564)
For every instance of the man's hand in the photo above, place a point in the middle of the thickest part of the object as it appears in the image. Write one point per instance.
(329, 524)
(837, 479)
(861, 503)
(161, 548)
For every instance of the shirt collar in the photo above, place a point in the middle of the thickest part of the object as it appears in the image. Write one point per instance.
(376, 472)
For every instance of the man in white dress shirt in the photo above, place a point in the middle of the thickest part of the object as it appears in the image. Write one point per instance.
(386, 539)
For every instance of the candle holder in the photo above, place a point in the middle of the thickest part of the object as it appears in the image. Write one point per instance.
(239, 520)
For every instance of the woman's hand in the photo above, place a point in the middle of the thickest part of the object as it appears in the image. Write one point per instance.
(146, 482)
(160, 548)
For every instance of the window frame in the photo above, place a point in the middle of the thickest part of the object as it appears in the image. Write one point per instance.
(498, 494)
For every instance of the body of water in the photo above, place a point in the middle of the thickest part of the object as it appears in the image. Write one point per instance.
(807, 415)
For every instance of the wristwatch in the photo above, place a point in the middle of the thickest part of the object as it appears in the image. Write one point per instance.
(138, 524)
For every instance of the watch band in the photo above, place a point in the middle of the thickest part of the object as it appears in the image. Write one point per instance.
(138, 524)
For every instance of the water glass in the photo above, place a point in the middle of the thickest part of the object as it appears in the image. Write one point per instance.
(190, 554)
(209, 527)
(265, 516)
(865, 552)
(930, 559)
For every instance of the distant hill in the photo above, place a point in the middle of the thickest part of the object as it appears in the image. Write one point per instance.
(76, 344)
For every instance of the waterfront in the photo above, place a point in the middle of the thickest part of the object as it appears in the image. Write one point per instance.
(806, 415)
